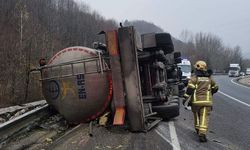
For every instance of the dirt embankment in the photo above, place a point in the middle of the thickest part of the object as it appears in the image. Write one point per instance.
(245, 80)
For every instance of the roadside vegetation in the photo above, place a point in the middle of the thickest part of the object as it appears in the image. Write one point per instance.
(31, 29)
(210, 48)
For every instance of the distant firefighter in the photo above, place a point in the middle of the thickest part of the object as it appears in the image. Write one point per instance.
(200, 89)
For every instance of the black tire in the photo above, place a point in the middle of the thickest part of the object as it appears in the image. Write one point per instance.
(167, 111)
(176, 90)
(164, 41)
(174, 101)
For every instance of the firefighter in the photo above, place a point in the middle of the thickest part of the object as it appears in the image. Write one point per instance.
(200, 89)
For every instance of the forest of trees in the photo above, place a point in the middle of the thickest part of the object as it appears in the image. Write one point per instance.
(34, 29)
(31, 29)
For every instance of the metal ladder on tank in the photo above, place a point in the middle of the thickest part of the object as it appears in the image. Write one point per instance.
(101, 67)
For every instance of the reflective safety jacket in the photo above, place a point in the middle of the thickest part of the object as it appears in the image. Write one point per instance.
(201, 89)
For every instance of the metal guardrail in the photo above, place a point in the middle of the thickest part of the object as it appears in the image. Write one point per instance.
(12, 109)
(13, 126)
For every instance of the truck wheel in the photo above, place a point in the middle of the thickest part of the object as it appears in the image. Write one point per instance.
(176, 90)
(167, 111)
(164, 41)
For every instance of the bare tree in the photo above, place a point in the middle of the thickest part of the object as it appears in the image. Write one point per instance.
(208, 47)
(31, 29)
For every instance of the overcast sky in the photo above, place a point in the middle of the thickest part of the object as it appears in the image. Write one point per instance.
(228, 19)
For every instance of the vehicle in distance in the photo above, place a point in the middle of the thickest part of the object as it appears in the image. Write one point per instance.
(248, 71)
(234, 70)
(185, 67)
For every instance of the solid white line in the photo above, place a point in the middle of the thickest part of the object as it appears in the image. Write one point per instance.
(235, 99)
(232, 80)
(173, 136)
(161, 129)
(164, 138)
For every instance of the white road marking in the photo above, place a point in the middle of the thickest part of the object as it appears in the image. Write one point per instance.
(174, 140)
(235, 99)
(173, 136)
(232, 80)
(164, 138)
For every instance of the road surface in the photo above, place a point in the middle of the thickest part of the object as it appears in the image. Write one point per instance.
(229, 126)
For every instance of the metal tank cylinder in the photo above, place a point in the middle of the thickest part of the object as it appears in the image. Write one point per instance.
(77, 83)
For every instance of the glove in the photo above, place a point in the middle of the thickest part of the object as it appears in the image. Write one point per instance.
(214, 90)
(189, 103)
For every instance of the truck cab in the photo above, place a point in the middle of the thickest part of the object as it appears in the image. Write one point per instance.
(234, 70)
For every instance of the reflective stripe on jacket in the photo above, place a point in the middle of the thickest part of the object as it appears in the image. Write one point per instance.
(199, 88)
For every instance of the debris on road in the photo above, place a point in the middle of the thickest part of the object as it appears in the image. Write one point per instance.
(2, 120)
(48, 140)
(216, 141)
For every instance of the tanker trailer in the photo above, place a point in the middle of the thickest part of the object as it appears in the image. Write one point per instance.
(77, 83)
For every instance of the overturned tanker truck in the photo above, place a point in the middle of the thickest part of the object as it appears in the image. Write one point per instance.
(134, 77)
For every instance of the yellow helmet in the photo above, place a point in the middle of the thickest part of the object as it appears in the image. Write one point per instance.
(200, 65)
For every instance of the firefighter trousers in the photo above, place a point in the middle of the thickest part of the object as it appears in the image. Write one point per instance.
(201, 118)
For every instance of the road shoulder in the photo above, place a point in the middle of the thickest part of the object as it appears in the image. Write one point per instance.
(244, 81)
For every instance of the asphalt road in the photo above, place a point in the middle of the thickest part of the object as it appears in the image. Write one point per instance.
(229, 126)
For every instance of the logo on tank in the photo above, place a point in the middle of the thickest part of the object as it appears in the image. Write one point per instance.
(53, 89)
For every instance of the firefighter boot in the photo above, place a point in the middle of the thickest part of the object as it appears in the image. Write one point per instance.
(203, 138)
(197, 131)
